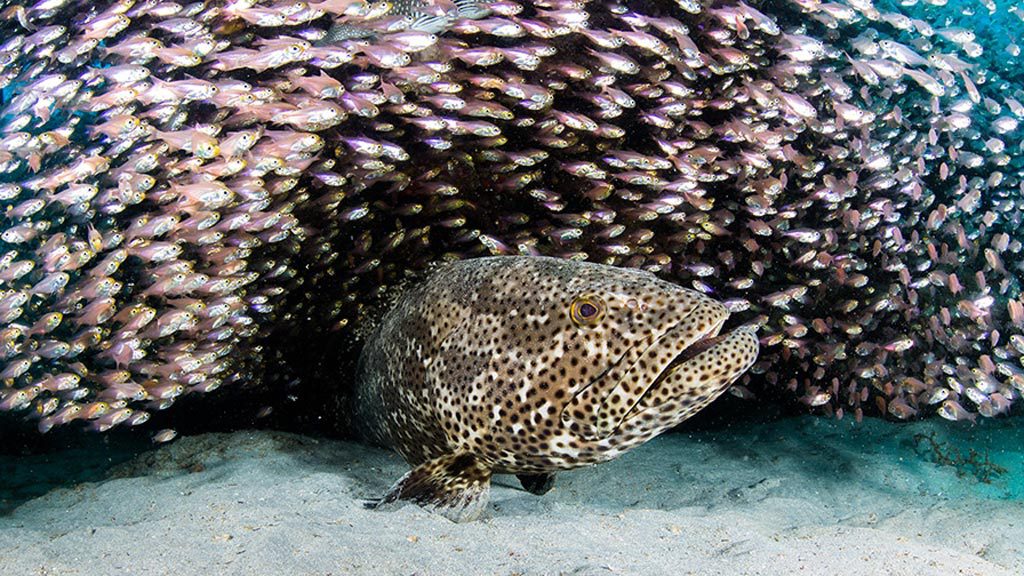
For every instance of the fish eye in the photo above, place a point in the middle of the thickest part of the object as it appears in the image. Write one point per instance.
(586, 310)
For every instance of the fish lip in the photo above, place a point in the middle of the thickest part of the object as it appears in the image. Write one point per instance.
(708, 340)
(707, 343)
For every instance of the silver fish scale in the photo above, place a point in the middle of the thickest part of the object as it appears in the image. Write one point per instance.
(419, 19)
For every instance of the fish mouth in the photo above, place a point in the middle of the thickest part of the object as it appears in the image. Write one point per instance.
(710, 340)
(694, 378)
(598, 409)
(704, 342)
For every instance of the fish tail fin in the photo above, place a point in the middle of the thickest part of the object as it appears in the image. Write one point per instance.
(457, 486)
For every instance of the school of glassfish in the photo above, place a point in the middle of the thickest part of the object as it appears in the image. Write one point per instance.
(194, 193)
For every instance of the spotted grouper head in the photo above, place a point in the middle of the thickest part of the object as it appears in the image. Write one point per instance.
(566, 363)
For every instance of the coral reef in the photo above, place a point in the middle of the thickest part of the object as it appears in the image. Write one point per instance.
(208, 194)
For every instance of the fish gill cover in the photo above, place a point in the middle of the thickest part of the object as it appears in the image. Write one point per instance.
(222, 193)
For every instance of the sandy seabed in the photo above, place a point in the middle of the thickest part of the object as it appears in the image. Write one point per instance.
(801, 496)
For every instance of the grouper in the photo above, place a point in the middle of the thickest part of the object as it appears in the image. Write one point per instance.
(529, 365)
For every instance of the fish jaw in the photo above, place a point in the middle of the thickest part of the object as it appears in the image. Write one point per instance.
(598, 410)
(693, 383)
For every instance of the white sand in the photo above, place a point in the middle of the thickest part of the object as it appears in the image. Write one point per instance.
(802, 498)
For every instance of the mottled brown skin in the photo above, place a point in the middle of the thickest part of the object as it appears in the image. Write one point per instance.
(529, 365)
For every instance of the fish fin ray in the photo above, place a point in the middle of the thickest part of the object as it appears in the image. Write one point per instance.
(456, 486)
(431, 24)
(472, 9)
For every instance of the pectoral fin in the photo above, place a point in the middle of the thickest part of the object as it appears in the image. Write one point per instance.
(456, 486)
